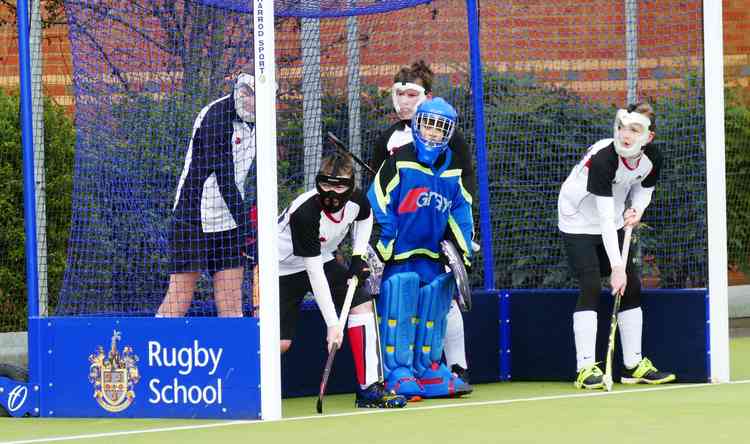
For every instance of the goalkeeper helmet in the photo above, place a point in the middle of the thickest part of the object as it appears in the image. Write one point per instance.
(432, 127)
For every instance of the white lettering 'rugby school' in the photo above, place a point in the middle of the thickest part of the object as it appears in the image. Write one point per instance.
(602, 172)
(305, 230)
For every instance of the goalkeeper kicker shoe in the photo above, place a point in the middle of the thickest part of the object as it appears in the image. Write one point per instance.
(645, 373)
(590, 377)
(376, 396)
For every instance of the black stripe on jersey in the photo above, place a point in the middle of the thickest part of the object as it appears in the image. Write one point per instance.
(654, 155)
(359, 198)
(304, 224)
(602, 169)
(380, 150)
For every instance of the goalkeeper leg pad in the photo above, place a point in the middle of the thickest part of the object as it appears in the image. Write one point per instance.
(397, 306)
(434, 303)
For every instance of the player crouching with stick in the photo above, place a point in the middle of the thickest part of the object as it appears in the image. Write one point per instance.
(418, 200)
(592, 218)
(310, 231)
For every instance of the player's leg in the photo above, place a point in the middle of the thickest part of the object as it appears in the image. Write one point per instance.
(454, 345)
(186, 261)
(583, 260)
(638, 369)
(363, 339)
(225, 259)
(179, 295)
(292, 290)
(363, 335)
(228, 292)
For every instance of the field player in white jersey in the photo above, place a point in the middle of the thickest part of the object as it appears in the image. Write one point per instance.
(592, 217)
(310, 231)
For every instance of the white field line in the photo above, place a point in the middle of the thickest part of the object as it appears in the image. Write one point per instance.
(369, 412)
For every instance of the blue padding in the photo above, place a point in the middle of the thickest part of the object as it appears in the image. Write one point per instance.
(397, 305)
(674, 333)
(434, 303)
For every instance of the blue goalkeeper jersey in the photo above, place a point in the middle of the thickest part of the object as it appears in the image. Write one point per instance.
(417, 206)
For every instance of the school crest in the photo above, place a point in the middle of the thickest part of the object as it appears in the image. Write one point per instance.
(114, 376)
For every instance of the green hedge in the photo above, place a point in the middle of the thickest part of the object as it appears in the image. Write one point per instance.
(737, 130)
(59, 139)
(536, 134)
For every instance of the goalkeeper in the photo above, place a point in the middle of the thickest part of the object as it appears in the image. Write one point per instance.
(418, 200)
(411, 86)
(208, 225)
(310, 231)
(592, 216)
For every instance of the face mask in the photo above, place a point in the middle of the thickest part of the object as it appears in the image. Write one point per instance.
(623, 122)
(404, 103)
(244, 97)
(330, 200)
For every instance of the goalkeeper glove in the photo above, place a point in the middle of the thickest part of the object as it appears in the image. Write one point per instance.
(359, 267)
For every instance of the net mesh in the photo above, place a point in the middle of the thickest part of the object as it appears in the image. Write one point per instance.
(54, 138)
(554, 74)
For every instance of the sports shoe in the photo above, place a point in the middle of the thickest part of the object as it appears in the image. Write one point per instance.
(590, 377)
(376, 396)
(645, 373)
(439, 382)
(460, 372)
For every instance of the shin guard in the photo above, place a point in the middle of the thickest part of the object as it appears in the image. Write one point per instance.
(397, 306)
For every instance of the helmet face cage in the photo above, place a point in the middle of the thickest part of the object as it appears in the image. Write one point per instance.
(437, 122)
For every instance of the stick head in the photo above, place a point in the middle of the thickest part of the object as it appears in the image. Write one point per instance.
(324, 380)
(456, 264)
(607, 380)
(336, 141)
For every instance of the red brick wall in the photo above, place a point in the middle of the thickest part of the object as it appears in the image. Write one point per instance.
(737, 42)
(534, 32)
(57, 64)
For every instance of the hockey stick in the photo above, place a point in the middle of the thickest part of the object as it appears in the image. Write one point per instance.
(607, 379)
(329, 362)
(457, 267)
(342, 147)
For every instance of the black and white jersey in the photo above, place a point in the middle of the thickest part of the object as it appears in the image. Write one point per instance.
(399, 134)
(305, 230)
(211, 190)
(602, 172)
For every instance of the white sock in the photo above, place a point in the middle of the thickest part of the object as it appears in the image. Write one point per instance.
(584, 331)
(630, 323)
(454, 345)
(362, 327)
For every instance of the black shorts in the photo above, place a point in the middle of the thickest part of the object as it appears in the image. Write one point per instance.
(586, 254)
(193, 250)
(294, 287)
